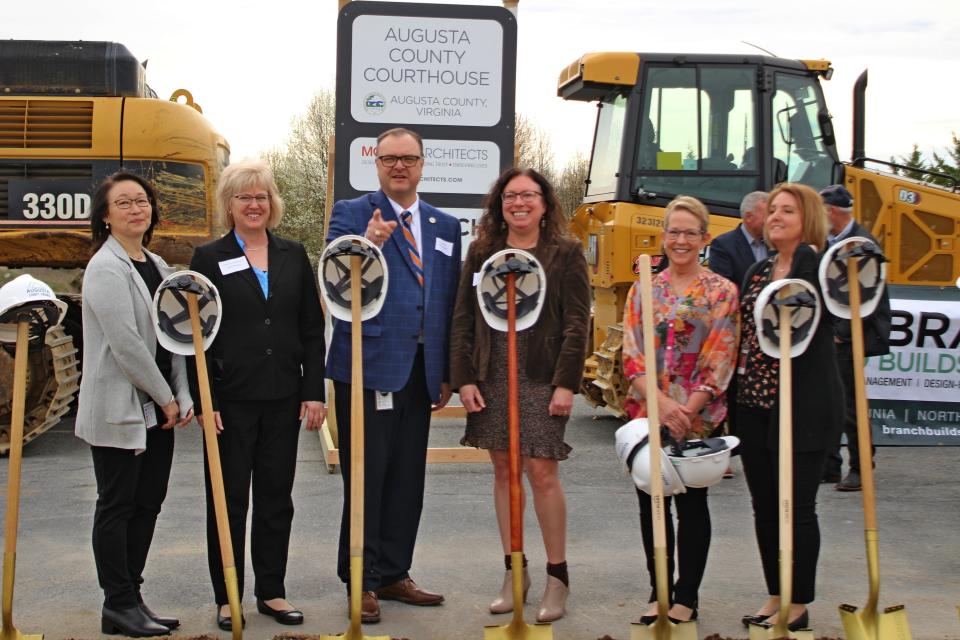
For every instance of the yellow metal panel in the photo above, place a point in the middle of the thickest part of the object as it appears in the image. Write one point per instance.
(618, 68)
(104, 140)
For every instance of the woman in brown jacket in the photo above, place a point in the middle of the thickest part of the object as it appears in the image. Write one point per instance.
(521, 212)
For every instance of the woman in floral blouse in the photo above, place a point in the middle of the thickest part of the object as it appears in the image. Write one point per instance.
(695, 316)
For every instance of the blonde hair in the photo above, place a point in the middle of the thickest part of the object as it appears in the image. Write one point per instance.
(691, 205)
(812, 211)
(247, 174)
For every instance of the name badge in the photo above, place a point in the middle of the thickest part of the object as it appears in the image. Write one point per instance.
(150, 414)
(384, 400)
(476, 278)
(444, 247)
(233, 265)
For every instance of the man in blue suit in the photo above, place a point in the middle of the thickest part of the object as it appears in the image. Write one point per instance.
(733, 252)
(405, 367)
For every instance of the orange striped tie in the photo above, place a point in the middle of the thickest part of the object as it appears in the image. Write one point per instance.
(412, 245)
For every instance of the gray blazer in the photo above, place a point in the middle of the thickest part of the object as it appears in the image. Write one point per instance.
(119, 349)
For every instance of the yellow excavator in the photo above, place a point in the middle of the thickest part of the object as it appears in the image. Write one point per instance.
(718, 127)
(71, 114)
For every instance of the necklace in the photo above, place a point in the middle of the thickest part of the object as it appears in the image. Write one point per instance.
(249, 248)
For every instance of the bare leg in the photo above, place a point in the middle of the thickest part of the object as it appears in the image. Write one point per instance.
(550, 504)
(501, 495)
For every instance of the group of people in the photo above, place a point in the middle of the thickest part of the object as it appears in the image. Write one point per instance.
(268, 364)
(711, 371)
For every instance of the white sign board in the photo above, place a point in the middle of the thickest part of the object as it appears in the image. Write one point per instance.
(426, 70)
(468, 225)
(450, 166)
(924, 359)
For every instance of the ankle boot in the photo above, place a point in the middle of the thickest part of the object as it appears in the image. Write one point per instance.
(504, 602)
(131, 622)
(554, 602)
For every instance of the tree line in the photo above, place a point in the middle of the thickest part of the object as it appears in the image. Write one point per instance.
(919, 168)
(300, 169)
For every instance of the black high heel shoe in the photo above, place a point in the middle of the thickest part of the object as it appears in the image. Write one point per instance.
(801, 622)
(693, 616)
(753, 618)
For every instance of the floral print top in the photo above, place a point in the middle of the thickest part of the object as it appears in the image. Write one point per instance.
(696, 342)
(758, 382)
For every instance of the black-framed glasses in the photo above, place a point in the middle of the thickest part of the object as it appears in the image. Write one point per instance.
(408, 161)
(509, 197)
(246, 198)
(690, 234)
(125, 203)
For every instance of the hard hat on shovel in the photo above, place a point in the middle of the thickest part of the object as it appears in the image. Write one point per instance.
(27, 295)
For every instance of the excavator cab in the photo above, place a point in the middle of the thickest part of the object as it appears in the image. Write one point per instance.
(712, 126)
(715, 127)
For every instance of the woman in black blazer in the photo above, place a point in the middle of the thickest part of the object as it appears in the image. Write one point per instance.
(796, 229)
(266, 368)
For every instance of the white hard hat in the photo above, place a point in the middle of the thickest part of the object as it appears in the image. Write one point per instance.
(531, 288)
(631, 444)
(334, 275)
(701, 463)
(871, 271)
(25, 297)
(804, 303)
(171, 316)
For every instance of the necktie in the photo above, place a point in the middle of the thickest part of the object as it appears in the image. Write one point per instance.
(412, 245)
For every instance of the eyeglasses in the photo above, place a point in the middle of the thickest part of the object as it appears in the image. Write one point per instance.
(408, 161)
(125, 204)
(509, 197)
(245, 198)
(690, 234)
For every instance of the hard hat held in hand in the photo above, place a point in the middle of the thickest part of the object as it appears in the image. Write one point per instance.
(334, 275)
(632, 440)
(26, 298)
(804, 303)
(871, 272)
(701, 463)
(530, 283)
(171, 316)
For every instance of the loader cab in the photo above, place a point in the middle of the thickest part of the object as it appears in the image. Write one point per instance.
(712, 126)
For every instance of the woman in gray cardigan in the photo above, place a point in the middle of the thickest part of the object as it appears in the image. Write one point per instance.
(131, 395)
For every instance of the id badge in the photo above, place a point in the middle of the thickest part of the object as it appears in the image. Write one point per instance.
(384, 400)
(150, 414)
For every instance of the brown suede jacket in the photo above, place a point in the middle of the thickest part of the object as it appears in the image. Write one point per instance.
(558, 343)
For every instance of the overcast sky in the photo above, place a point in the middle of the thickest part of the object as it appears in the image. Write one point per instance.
(253, 66)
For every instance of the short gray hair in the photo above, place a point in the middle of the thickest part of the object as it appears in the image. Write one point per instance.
(248, 174)
(751, 200)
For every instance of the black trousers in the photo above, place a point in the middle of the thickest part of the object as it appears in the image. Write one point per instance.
(395, 459)
(130, 491)
(761, 467)
(834, 461)
(259, 446)
(692, 542)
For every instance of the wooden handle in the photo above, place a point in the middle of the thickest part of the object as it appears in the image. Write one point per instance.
(12, 514)
(513, 418)
(786, 472)
(356, 412)
(655, 445)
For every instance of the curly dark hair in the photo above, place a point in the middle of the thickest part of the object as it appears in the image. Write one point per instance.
(99, 231)
(491, 228)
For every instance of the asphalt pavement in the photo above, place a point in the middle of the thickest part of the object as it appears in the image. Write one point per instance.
(458, 551)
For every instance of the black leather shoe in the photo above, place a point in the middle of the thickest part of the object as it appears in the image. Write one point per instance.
(648, 620)
(290, 616)
(130, 622)
(226, 622)
(753, 619)
(169, 623)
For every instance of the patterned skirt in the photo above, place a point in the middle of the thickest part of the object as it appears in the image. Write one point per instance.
(541, 435)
